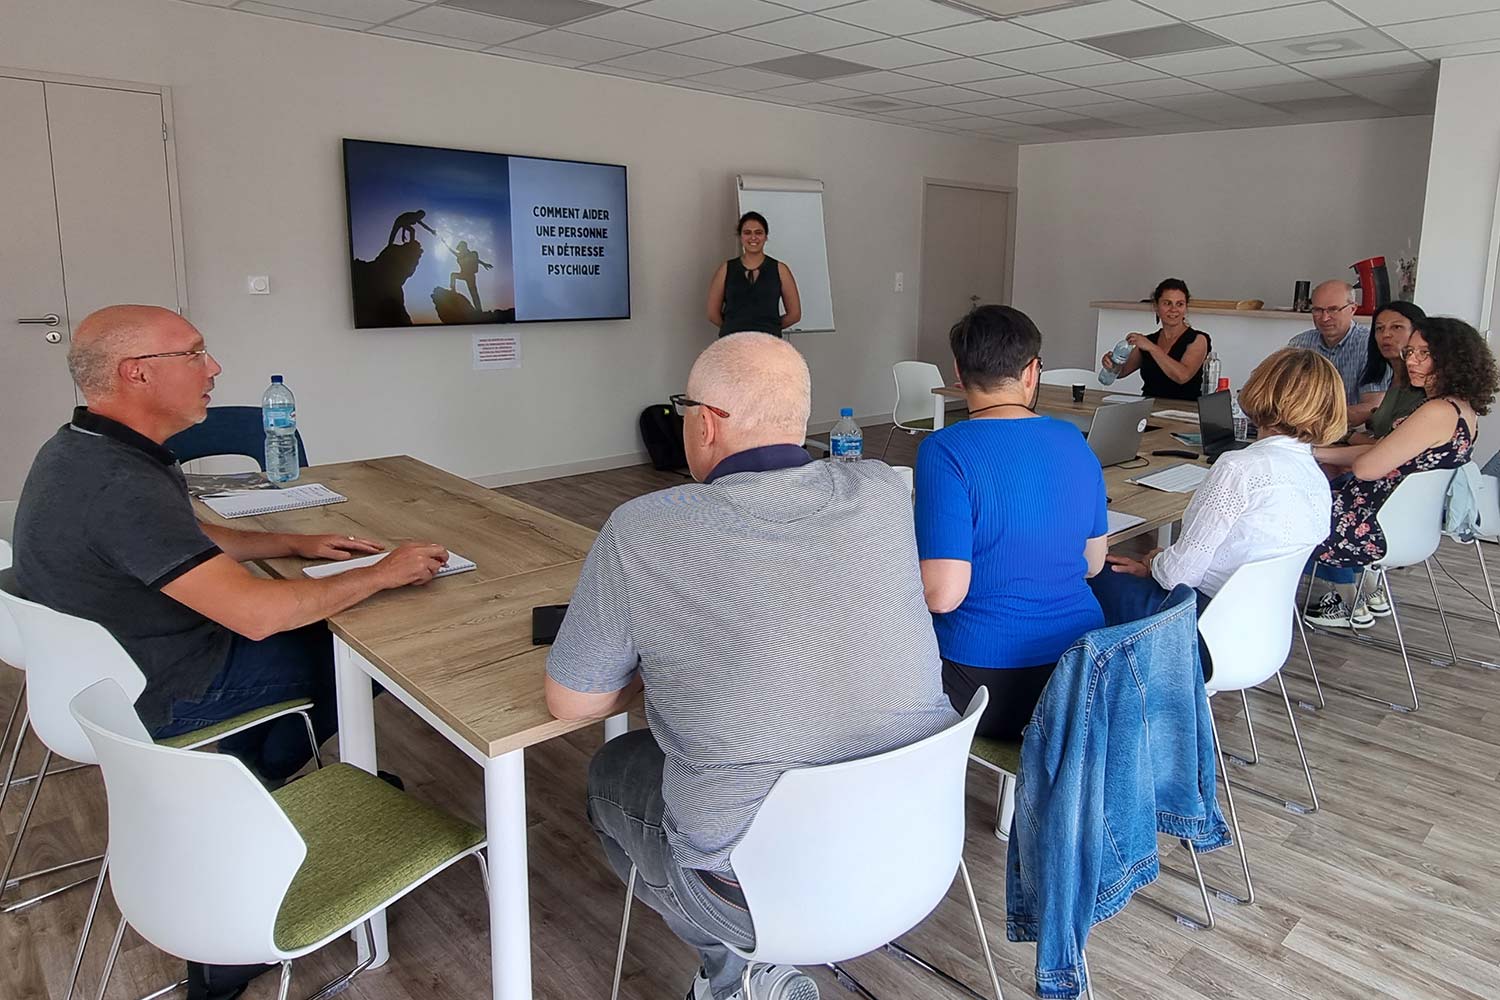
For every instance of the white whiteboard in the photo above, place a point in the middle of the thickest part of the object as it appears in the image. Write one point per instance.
(793, 207)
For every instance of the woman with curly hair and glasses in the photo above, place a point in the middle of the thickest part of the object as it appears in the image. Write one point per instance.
(1449, 361)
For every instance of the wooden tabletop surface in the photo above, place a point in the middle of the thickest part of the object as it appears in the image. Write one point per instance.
(461, 645)
(1126, 497)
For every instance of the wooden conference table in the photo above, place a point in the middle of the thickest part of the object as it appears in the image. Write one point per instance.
(457, 652)
(1159, 509)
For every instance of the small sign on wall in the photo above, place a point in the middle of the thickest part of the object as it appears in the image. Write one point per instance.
(492, 352)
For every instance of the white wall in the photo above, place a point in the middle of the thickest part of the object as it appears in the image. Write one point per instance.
(261, 105)
(1237, 215)
(1457, 219)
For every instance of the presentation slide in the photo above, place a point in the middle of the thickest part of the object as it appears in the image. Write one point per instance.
(441, 237)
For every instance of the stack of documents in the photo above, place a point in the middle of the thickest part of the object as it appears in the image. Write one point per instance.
(455, 564)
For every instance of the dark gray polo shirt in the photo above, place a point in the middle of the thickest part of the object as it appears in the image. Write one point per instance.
(104, 523)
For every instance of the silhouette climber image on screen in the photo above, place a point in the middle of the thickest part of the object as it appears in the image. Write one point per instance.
(468, 269)
(406, 224)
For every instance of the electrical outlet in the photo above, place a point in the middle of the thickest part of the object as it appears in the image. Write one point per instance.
(900, 282)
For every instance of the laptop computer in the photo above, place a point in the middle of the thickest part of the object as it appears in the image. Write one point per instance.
(1216, 426)
(1114, 431)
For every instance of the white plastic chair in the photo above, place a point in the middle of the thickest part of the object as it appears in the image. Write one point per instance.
(844, 858)
(1247, 628)
(206, 860)
(913, 411)
(1412, 521)
(64, 655)
(1487, 501)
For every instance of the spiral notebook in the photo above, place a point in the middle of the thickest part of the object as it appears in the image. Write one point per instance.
(252, 502)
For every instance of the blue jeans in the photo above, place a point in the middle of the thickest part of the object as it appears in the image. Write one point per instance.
(294, 664)
(625, 807)
(1125, 598)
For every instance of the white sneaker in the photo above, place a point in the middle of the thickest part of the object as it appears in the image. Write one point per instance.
(1378, 603)
(771, 982)
(1332, 612)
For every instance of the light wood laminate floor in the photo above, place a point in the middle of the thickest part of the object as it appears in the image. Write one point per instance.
(1391, 890)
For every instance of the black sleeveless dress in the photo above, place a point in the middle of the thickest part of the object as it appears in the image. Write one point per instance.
(1159, 384)
(752, 305)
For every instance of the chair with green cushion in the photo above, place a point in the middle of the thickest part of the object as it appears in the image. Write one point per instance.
(63, 655)
(1005, 760)
(912, 413)
(294, 870)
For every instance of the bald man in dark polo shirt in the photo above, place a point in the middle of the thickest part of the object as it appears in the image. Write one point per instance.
(105, 531)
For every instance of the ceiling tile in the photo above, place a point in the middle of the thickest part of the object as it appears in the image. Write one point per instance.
(1070, 98)
(422, 36)
(1396, 11)
(1197, 10)
(1408, 91)
(1148, 89)
(665, 64)
(1311, 90)
(880, 83)
(808, 93)
(357, 10)
(1461, 49)
(1447, 30)
(1092, 76)
(1046, 117)
(926, 114)
(811, 66)
(617, 3)
(439, 20)
(982, 37)
(693, 83)
(808, 4)
(873, 103)
(1219, 107)
(1106, 18)
(723, 15)
(1017, 86)
(810, 33)
(1062, 55)
(536, 57)
(1260, 76)
(891, 53)
(1158, 41)
(1333, 108)
(741, 79)
(636, 29)
(629, 74)
(900, 17)
(941, 95)
(1376, 62)
(1332, 45)
(568, 45)
(960, 71)
(995, 106)
(1123, 111)
(733, 50)
(1283, 22)
(543, 13)
(305, 16)
(1207, 61)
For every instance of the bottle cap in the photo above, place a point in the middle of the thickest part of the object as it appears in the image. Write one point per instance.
(846, 412)
(1223, 384)
(275, 379)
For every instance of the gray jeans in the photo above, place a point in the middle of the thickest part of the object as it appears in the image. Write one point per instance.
(625, 807)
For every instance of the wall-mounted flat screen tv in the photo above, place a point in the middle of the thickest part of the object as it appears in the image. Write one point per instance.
(446, 237)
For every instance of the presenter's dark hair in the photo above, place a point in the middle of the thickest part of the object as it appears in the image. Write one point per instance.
(753, 217)
(1171, 285)
(993, 344)
(1462, 364)
(1375, 363)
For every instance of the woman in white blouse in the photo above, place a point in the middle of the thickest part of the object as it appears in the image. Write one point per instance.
(1264, 501)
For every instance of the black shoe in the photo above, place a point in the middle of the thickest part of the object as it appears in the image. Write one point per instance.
(221, 982)
(394, 780)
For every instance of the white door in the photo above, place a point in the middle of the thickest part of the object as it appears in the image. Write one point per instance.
(37, 391)
(84, 186)
(965, 261)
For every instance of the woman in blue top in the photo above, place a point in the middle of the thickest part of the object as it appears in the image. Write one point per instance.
(1011, 523)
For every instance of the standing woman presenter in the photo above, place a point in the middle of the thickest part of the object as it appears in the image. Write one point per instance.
(747, 292)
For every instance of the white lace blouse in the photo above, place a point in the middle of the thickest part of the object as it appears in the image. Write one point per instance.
(1267, 500)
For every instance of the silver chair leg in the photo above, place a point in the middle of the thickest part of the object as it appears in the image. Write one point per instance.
(342, 982)
(614, 993)
(1088, 978)
(1254, 757)
(984, 942)
(1005, 806)
(286, 981)
(1311, 665)
(1208, 922)
(7, 882)
(88, 925)
(901, 952)
(1438, 603)
(1411, 681)
(10, 728)
(15, 847)
(1488, 590)
(15, 753)
(312, 740)
(1234, 822)
(484, 870)
(888, 438)
(1291, 718)
(109, 960)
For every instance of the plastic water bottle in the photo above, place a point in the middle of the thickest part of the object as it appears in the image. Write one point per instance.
(1120, 354)
(846, 442)
(278, 415)
(1241, 422)
(1210, 373)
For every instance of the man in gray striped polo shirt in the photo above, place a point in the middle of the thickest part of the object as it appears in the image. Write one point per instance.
(774, 612)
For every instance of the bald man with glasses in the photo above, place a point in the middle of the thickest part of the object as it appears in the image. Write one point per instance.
(1337, 337)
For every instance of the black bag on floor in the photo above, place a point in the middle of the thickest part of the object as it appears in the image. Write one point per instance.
(661, 431)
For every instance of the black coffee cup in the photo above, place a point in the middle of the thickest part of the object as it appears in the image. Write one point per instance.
(1077, 392)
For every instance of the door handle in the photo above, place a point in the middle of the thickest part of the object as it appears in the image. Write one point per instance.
(51, 319)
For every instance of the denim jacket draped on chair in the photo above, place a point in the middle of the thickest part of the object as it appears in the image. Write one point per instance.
(1119, 749)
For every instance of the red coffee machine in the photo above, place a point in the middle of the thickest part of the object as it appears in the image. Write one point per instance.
(1374, 285)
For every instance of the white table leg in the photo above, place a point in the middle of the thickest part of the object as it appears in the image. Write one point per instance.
(616, 725)
(510, 898)
(1164, 535)
(356, 699)
(939, 411)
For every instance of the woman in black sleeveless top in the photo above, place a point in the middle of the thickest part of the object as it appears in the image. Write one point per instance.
(747, 291)
(1171, 359)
